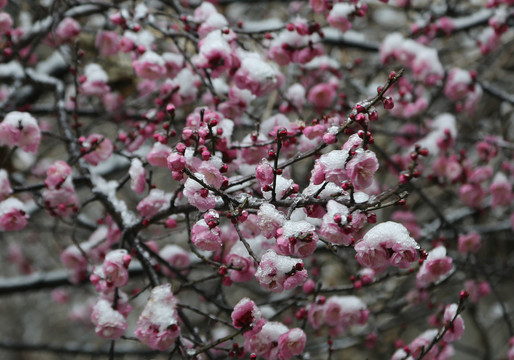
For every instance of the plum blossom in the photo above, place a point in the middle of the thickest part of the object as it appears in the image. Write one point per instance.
(388, 243)
(297, 238)
(13, 215)
(215, 53)
(157, 325)
(56, 174)
(245, 314)
(338, 312)
(330, 167)
(96, 79)
(501, 190)
(5, 185)
(273, 340)
(177, 257)
(205, 237)
(20, 129)
(158, 155)
(114, 272)
(361, 168)
(150, 66)
(456, 330)
(269, 220)
(107, 43)
(110, 323)
(338, 16)
(67, 30)
(239, 258)
(435, 266)
(137, 175)
(334, 224)
(322, 95)
(6, 22)
(197, 195)
(156, 201)
(469, 243)
(62, 201)
(277, 273)
(255, 75)
(292, 343)
(97, 148)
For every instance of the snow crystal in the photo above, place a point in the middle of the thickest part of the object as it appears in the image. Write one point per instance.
(296, 228)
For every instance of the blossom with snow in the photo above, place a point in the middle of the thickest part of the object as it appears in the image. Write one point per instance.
(150, 66)
(157, 325)
(277, 273)
(20, 129)
(13, 215)
(435, 267)
(109, 323)
(388, 243)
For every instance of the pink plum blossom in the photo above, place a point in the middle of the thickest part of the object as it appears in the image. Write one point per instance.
(456, 330)
(297, 238)
(277, 273)
(215, 54)
(107, 43)
(110, 324)
(197, 195)
(20, 129)
(436, 266)
(388, 243)
(361, 168)
(205, 237)
(95, 81)
(263, 340)
(501, 190)
(269, 220)
(177, 257)
(56, 174)
(6, 22)
(97, 148)
(239, 258)
(156, 201)
(150, 66)
(158, 155)
(338, 16)
(291, 343)
(256, 75)
(5, 185)
(469, 243)
(61, 202)
(334, 224)
(137, 175)
(13, 216)
(245, 314)
(67, 30)
(157, 325)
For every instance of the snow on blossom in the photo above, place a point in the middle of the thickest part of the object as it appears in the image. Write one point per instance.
(388, 243)
(297, 238)
(20, 129)
(435, 267)
(277, 273)
(109, 323)
(197, 195)
(245, 314)
(456, 330)
(150, 66)
(157, 325)
(255, 75)
(157, 200)
(137, 175)
(13, 215)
